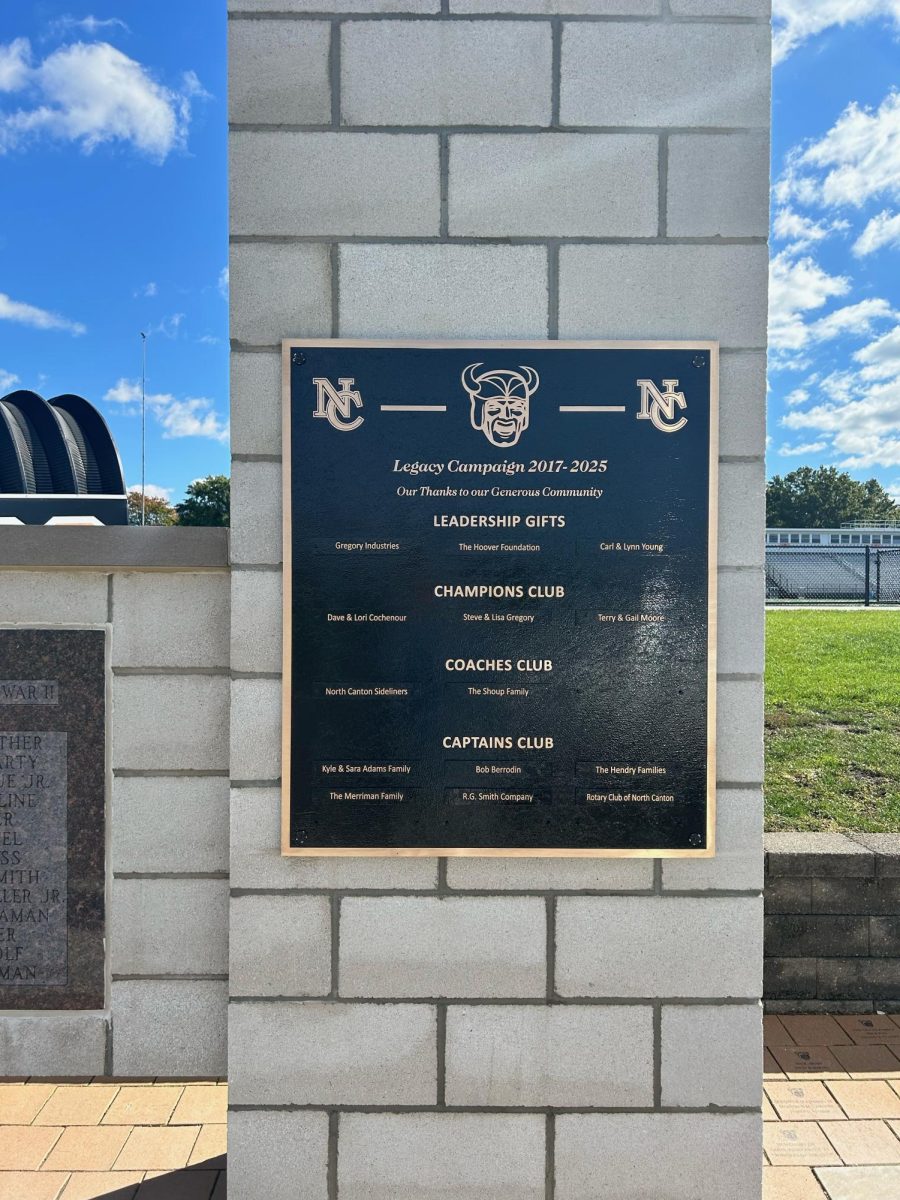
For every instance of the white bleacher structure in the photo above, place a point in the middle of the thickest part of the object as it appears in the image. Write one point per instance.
(858, 561)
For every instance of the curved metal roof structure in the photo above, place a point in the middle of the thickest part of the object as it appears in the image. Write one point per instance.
(58, 460)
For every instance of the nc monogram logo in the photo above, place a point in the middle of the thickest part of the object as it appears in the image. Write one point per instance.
(660, 407)
(336, 404)
(499, 401)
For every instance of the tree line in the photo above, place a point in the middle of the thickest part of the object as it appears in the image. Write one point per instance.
(206, 502)
(824, 498)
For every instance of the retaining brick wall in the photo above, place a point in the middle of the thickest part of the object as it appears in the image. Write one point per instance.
(832, 922)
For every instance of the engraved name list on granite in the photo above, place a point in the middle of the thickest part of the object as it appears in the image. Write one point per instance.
(52, 818)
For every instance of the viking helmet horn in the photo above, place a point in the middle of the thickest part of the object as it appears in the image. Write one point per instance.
(531, 377)
(470, 380)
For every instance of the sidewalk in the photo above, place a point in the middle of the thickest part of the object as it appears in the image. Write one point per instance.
(832, 1108)
(831, 1111)
(112, 1139)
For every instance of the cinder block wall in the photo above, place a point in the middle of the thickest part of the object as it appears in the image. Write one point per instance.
(477, 1029)
(167, 812)
(832, 924)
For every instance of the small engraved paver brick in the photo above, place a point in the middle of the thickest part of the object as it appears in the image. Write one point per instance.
(160, 1148)
(803, 1102)
(77, 1105)
(81, 1149)
(24, 1147)
(809, 1062)
(866, 1030)
(862, 1099)
(23, 1185)
(862, 1061)
(815, 1031)
(863, 1143)
(774, 1033)
(97, 1185)
(202, 1105)
(800, 1143)
(177, 1185)
(20, 1103)
(143, 1106)
(860, 1183)
(211, 1144)
(790, 1183)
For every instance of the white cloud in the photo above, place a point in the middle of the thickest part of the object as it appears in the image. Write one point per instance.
(94, 94)
(195, 416)
(795, 21)
(852, 318)
(169, 326)
(37, 318)
(787, 451)
(149, 289)
(208, 339)
(15, 64)
(89, 25)
(881, 358)
(797, 396)
(859, 411)
(153, 490)
(797, 286)
(882, 230)
(223, 283)
(857, 160)
(7, 380)
(802, 231)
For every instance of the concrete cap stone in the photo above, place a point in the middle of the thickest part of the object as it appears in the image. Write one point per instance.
(817, 854)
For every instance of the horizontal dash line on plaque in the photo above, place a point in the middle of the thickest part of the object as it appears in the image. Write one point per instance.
(588, 408)
(413, 407)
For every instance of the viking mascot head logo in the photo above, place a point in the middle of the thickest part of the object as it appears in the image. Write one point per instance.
(500, 401)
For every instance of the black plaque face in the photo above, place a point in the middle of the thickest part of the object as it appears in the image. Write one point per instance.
(499, 598)
(52, 818)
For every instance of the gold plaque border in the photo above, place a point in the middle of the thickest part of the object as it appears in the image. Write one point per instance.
(289, 344)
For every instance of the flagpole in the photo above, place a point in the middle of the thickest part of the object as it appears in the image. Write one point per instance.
(143, 428)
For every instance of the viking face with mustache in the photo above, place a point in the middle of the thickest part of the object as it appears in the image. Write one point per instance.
(500, 402)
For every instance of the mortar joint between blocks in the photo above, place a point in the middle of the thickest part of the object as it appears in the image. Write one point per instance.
(550, 1156)
(657, 1054)
(553, 290)
(441, 1041)
(663, 170)
(550, 903)
(333, 1134)
(444, 171)
(335, 905)
(334, 263)
(556, 31)
(334, 73)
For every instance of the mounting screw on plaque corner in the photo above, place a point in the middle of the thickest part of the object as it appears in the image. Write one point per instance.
(699, 360)
(298, 358)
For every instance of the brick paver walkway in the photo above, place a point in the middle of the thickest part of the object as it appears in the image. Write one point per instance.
(832, 1108)
(113, 1139)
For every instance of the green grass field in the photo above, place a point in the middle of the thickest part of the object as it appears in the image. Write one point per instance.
(833, 720)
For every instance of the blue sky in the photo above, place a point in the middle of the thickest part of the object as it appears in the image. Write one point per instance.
(113, 220)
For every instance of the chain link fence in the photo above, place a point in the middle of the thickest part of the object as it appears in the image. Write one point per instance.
(837, 574)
